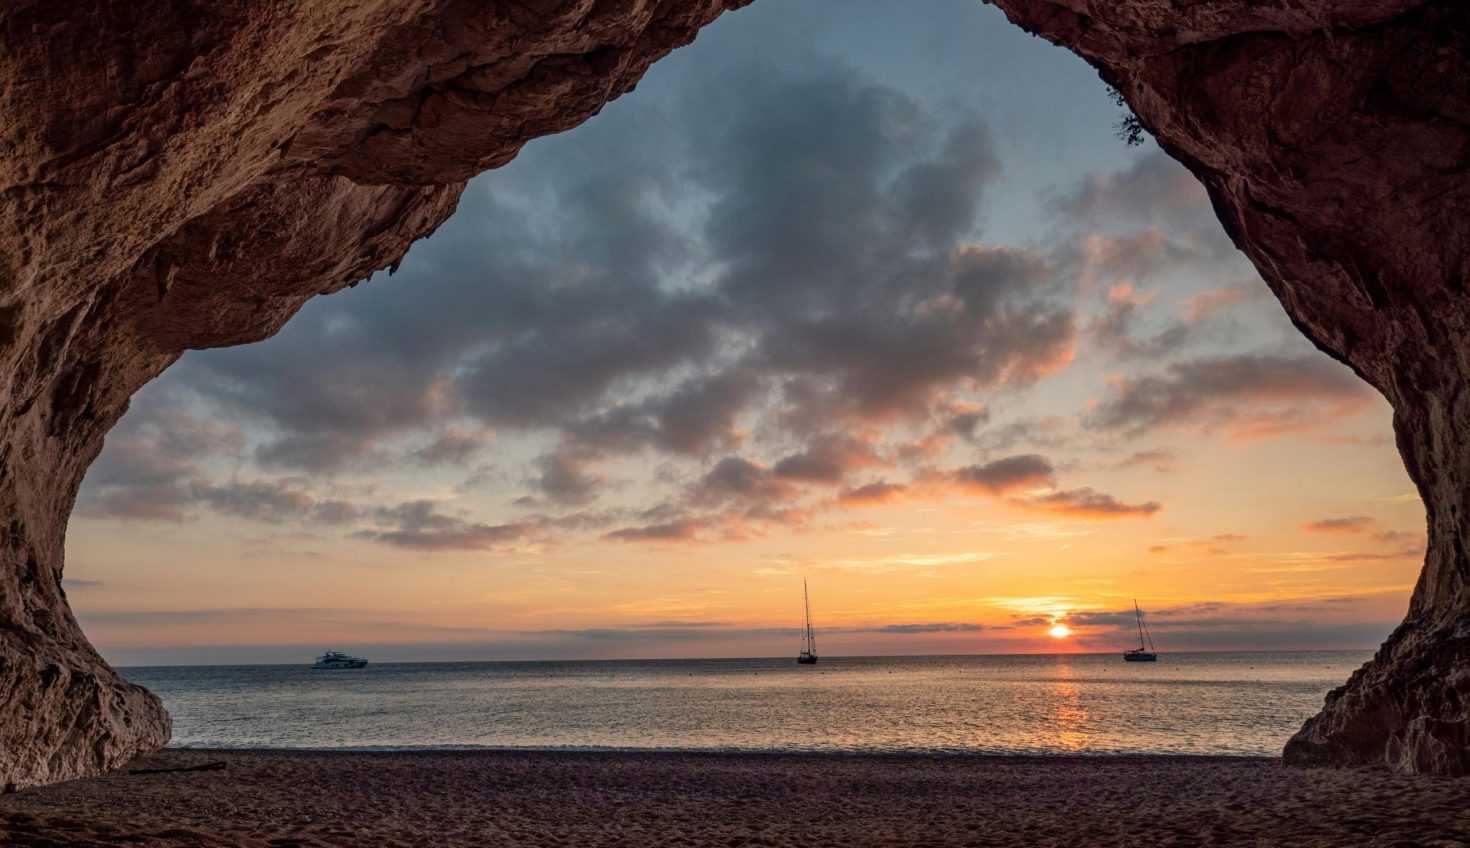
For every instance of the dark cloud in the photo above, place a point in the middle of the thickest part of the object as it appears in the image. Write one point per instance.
(420, 525)
(1252, 395)
(1087, 503)
(453, 446)
(828, 458)
(1004, 475)
(739, 479)
(877, 492)
(941, 627)
(152, 457)
(965, 419)
(1157, 459)
(565, 476)
(699, 630)
(680, 530)
(271, 501)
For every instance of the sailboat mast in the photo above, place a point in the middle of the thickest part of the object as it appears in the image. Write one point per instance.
(811, 636)
(1139, 613)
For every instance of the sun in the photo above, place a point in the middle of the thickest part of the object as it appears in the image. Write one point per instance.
(1059, 631)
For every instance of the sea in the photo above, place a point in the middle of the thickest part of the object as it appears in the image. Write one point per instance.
(1200, 703)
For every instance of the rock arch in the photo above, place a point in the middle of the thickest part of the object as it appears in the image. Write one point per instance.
(186, 174)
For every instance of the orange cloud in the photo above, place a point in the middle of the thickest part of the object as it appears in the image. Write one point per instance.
(1349, 525)
(1204, 305)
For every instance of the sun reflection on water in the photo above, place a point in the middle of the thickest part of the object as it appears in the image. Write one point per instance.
(1070, 716)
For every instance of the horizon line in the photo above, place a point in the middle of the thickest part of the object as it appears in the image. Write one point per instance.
(753, 658)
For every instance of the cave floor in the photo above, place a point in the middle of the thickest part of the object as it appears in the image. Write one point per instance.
(524, 798)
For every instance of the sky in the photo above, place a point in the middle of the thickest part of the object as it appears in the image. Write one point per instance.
(864, 293)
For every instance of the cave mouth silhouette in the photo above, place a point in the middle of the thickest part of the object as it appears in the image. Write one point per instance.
(303, 150)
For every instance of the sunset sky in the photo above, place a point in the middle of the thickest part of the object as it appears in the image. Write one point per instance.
(841, 291)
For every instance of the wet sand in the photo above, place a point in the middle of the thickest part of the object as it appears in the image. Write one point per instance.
(499, 798)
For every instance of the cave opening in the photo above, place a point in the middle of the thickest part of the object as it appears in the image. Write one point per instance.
(730, 326)
(833, 314)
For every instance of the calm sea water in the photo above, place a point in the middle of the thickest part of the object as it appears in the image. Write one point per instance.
(1185, 704)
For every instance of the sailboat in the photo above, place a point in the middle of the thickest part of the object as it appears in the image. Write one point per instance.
(1138, 654)
(808, 655)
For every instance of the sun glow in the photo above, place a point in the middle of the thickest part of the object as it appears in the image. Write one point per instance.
(1059, 631)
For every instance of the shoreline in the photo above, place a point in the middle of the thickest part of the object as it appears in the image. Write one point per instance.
(717, 753)
(564, 798)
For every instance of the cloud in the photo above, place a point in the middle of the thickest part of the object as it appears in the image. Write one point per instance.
(1216, 545)
(151, 457)
(271, 501)
(1113, 331)
(938, 627)
(1031, 474)
(1157, 459)
(877, 492)
(828, 458)
(453, 446)
(1152, 188)
(740, 479)
(1350, 524)
(565, 476)
(419, 525)
(1205, 304)
(1087, 503)
(1248, 395)
(1004, 475)
(680, 530)
(1364, 525)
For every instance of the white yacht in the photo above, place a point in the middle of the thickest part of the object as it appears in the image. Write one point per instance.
(337, 659)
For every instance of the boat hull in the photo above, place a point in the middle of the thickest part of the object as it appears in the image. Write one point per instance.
(339, 666)
(807, 659)
(1140, 657)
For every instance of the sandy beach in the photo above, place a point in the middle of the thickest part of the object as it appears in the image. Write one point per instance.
(281, 798)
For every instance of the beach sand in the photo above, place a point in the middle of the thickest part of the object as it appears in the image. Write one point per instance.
(502, 798)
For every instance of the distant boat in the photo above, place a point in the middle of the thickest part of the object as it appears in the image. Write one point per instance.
(1138, 654)
(337, 659)
(809, 654)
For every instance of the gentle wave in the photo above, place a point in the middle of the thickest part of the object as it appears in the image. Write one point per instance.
(1216, 704)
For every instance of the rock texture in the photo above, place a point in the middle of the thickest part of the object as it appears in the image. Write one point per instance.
(186, 173)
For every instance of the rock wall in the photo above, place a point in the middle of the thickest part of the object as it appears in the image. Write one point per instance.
(186, 173)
